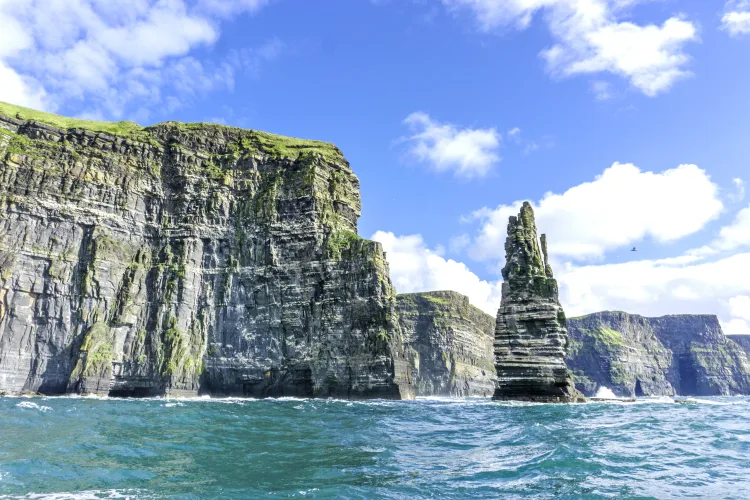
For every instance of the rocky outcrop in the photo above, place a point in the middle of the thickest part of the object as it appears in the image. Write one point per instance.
(530, 336)
(743, 341)
(635, 356)
(449, 343)
(187, 259)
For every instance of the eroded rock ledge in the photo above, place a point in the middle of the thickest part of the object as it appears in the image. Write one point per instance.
(185, 259)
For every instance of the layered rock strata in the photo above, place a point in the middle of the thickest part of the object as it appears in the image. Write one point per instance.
(636, 356)
(186, 259)
(531, 340)
(449, 344)
(743, 341)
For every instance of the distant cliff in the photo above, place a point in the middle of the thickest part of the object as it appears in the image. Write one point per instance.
(742, 341)
(449, 343)
(184, 259)
(637, 356)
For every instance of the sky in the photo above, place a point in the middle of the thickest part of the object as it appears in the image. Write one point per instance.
(624, 123)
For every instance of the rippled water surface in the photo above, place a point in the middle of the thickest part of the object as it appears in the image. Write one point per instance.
(87, 448)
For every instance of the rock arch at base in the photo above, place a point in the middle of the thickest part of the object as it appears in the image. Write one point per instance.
(638, 389)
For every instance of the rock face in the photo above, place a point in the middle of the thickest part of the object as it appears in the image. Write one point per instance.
(449, 343)
(635, 356)
(187, 259)
(530, 336)
(743, 341)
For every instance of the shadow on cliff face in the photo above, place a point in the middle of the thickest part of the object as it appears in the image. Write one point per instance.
(688, 376)
(638, 389)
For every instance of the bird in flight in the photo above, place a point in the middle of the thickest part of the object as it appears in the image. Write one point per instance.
(634, 250)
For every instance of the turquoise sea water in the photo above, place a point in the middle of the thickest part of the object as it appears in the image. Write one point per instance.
(159, 448)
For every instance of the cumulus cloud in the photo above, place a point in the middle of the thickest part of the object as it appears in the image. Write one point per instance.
(740, 306)
(736, 19)
(416, 268)
(111, 53)
(621, 206)
(740, 311)
(592, 37)
(515, 134)
(736, 235)
(466, 152)
(655, 288)
(739, 190)
(602, 90)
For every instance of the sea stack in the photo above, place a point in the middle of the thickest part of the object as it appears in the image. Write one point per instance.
(531, 339)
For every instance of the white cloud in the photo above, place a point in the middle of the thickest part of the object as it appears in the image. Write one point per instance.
(739, 190)
(602, 90)
(621, 206)
(735, 235)
(736, 20)
(24, 91)
(740, 306)
(736, 327)
(654, 288)
(416, 268)
(458, 243)
(227, 8)
(111, 53)
(467, 152)
(591, 37)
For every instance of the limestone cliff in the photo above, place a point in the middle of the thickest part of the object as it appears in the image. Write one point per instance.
(743, 341)
(637, 356)
(449, 343)
(187, 259)
(530, 336)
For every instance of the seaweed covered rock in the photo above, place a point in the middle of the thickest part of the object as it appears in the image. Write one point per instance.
(531, 340)
(184, 259)
(636, 356)
(449, 344)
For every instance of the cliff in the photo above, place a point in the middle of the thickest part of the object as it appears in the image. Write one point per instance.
(449, 343)
(531, 340)
(743, 341)
(184, 259)
(637, 356)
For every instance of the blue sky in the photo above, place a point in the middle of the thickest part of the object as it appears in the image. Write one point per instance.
(625, 122)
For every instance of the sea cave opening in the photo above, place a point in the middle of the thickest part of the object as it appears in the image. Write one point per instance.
(638, 389)
(688, 376)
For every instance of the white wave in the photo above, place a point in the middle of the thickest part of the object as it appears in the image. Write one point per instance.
(84, 495)
(605, 392)
(33, 406)
(689, 400)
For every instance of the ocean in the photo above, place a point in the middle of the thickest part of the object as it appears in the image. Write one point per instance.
(88, 448)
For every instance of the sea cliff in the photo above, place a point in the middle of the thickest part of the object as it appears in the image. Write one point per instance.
(449, 344)
(187, 259)
(637, 356)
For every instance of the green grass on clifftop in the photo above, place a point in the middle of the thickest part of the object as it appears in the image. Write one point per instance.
(21, 113)
(271, 144)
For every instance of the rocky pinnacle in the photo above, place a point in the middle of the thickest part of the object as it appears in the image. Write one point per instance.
(531, 340)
